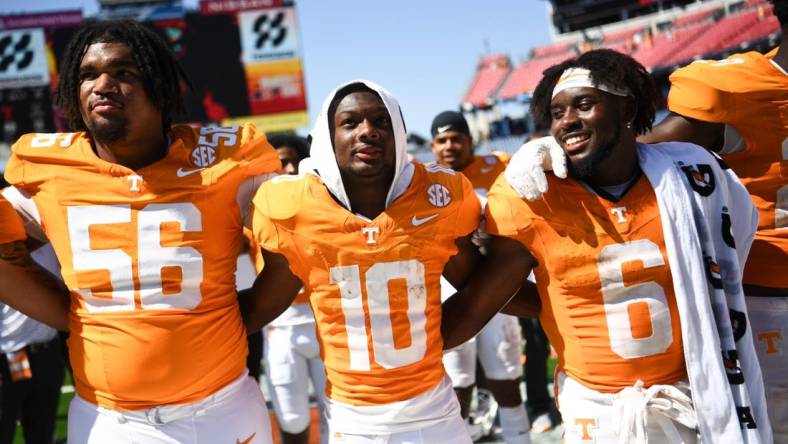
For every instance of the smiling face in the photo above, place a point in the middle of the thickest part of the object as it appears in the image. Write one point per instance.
(113, 101)
(452, 149)
(588, 125)
(363, 136)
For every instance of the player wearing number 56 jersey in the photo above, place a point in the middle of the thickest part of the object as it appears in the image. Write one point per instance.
(369, 235)
(637, 259)
(146, 220)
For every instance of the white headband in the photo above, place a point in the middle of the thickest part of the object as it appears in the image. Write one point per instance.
(581, 77)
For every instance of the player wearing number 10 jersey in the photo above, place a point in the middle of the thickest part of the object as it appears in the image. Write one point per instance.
(371, 258)
(146, 220)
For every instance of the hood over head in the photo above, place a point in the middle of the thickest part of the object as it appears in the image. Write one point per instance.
(323, 162)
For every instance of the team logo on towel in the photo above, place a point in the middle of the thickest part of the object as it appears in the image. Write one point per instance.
(730, 360)
(713, 273)
(727, 234)
(701, 178)
(738, 323)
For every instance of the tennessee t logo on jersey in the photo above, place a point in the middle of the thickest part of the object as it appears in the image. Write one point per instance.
(134, 182)
(620, 211)
(372, 234)
(700, 178)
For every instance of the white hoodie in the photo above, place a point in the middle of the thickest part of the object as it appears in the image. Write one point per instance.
(323, 161)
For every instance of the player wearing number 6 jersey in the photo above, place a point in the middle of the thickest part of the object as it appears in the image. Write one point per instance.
(369, 235)
(146, 220)
(637, 259)
(739, 108)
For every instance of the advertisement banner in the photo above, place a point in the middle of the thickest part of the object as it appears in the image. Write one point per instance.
(48, 20)
(23, 59)
(268, 34)
(275, 87)
(210, 7)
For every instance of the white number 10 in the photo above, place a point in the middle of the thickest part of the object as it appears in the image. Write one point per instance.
(377, 277)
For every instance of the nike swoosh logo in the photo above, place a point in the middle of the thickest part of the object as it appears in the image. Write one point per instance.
(486, 170)
(416, 221)
(183, 173)
(443, 128)
(247, 440)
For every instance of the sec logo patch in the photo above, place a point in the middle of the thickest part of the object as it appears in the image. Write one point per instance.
(438, 195)
(202, 156)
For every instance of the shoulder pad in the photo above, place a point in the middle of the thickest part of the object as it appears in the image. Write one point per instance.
(240, 144)
(42, 146)
(281, 197)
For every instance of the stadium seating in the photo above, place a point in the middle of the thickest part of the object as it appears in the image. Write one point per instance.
(490, 73)
(525, 77)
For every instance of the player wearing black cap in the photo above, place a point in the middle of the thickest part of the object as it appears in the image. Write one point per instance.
(499, 344)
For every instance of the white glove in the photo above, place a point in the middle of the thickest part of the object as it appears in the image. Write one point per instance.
(526, 170)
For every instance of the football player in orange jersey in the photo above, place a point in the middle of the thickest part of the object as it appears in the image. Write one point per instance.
(368, 235)
(738, 107)
(25, 285)
(499, 344)
(146, 220)
(637, 263)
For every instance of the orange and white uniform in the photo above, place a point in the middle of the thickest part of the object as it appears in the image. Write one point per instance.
(149, 256)
(374, 285)
(749, 94)
(608, 305)
(499, 344)
(12, 228)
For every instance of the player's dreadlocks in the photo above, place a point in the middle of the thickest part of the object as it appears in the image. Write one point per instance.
(608, 67)
(161, 73)
(781, 11)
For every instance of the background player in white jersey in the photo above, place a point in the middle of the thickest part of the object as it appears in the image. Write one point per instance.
(146, 219)
(292, 351)
(499, 345)
(368, 235)
(32, 368)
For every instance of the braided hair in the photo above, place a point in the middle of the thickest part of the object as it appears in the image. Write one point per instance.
(161, 72)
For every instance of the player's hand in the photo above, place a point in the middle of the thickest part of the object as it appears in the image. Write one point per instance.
(526, 170)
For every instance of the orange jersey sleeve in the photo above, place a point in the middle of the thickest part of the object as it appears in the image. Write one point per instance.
(149, 256)
(11, 228)
(608, 305)
(749, 94)
(374, 284)
(483, 171)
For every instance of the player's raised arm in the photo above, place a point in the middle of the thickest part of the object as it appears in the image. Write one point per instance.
(498, 276)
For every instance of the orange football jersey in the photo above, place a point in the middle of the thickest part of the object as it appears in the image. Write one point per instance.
(483, 171)
(11, 228)
(374, 284)
(257, 261)
(749, 93)
(608, 305)
(149, 256)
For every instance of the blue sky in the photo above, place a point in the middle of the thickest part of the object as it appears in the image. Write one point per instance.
(423, 51)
